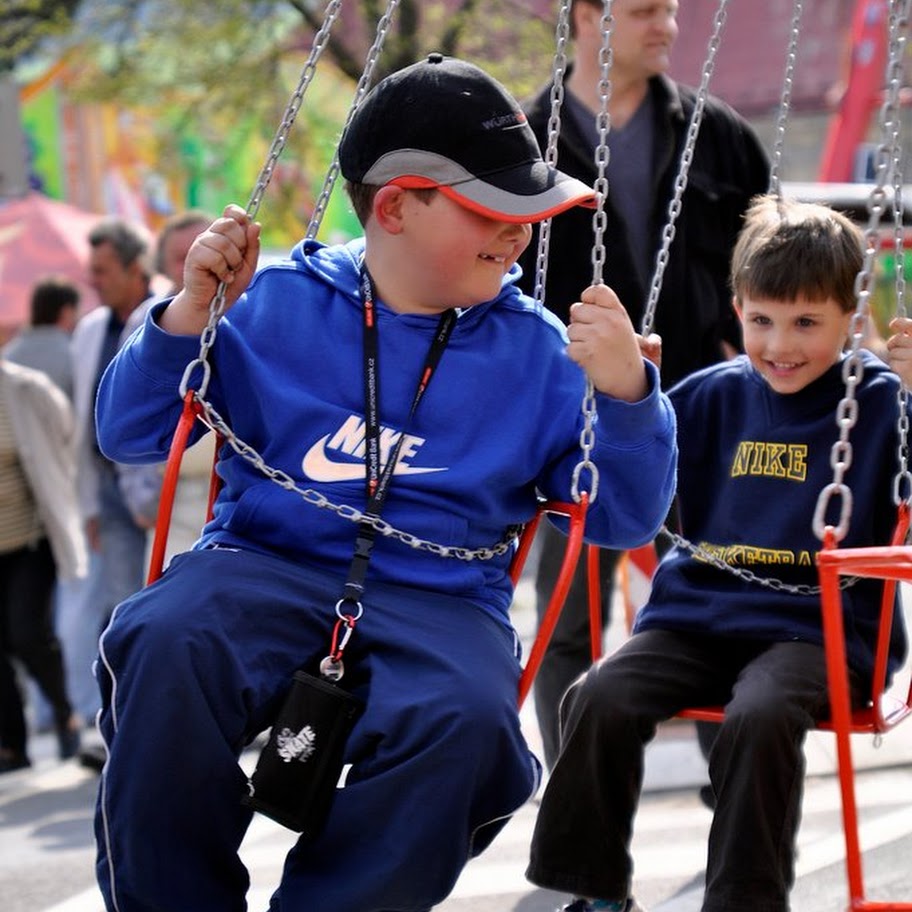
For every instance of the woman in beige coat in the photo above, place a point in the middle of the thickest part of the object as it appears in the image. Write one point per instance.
(40, 540)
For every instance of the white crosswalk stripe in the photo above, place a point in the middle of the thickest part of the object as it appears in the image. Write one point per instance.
(669, 838)
(669, 846)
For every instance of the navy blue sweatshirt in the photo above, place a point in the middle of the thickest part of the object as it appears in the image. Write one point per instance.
(752, 463)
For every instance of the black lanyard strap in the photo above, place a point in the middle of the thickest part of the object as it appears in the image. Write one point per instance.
(378, 480)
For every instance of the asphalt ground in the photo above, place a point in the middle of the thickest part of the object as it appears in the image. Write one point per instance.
(47, 846)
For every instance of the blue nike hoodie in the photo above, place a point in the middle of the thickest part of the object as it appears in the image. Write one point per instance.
(499, 424)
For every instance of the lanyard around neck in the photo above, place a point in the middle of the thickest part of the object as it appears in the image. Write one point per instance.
(378, 478)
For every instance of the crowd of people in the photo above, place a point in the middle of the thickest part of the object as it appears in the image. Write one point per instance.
(445, 170)
(74, 524)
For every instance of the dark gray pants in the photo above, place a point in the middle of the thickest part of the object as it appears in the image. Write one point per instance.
(27, 580)
(773, 694)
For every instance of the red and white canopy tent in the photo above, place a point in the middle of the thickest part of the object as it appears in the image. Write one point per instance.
(39, 237)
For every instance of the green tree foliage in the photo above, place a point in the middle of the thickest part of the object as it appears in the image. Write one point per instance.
(223, 70)
(24, 24)
(199, 43)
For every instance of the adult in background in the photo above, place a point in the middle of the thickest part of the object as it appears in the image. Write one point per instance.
(45, 343)
(174, 241)
(40, 538)
(141, 485)
(649, 116)
(120, 270)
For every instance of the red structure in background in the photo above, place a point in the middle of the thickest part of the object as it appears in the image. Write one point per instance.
(40, 237)
(864, 86)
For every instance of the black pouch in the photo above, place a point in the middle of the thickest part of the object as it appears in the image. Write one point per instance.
(296, 775)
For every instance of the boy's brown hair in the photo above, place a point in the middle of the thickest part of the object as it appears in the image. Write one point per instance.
(789, 250)
(362, 198)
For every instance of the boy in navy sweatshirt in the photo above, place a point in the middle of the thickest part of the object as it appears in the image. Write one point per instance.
(395, 387)
(754, 436)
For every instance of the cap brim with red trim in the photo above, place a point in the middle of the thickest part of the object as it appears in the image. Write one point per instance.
(526, 192)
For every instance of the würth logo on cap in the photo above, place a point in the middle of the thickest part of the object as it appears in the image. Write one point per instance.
(504, 120)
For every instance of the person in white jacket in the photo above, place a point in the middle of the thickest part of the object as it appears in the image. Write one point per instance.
(141, 484)
(120, 271)
(40, 540)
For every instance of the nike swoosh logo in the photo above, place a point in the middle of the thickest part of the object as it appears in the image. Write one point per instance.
(319, 467)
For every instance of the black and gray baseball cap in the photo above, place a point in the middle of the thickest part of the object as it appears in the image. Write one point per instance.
(445, 123)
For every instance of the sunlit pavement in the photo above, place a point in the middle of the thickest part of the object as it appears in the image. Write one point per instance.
(47, 850)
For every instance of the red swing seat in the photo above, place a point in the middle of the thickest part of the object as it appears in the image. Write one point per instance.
(575, 512)
(891, 563)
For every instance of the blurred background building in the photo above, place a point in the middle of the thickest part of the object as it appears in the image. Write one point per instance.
(169, 109)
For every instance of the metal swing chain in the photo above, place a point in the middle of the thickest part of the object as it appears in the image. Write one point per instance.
(558, 70)
(768, 582)
(214, 420)
(674, 207)
(602, 151)
(791, 57)
(217, 304)
(599, 224)
(367, 73)
(903, 476)
(344, 511)
(853, 369)
(697, 551)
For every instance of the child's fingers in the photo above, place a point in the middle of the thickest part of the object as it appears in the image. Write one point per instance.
(651, 348)
(229, 246)
(594, 299)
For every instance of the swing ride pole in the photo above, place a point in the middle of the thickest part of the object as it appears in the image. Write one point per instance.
(577, 514)
(837, 677)
(169, 484)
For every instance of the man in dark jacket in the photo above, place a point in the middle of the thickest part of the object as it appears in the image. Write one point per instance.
(649, 117)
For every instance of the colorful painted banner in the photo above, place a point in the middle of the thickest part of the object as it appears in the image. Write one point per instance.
(145, 165)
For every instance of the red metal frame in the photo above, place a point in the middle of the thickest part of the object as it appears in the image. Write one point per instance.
(576, 512)
(169, 486)
(891, 563)
(192, 410)
(864, 86)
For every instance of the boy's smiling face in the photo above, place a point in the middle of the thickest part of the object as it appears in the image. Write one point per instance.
(792, 343)
(465, 255)
(446, 255)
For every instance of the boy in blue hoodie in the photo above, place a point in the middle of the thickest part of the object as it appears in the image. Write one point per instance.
(755, 436)
(406, 364)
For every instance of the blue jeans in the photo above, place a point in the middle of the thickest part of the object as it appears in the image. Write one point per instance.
(116, 571)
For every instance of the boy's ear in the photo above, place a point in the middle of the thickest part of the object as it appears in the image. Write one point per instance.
(737, 308)
(388, 208)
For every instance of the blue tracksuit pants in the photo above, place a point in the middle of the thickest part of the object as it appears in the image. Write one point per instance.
(196, 665)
